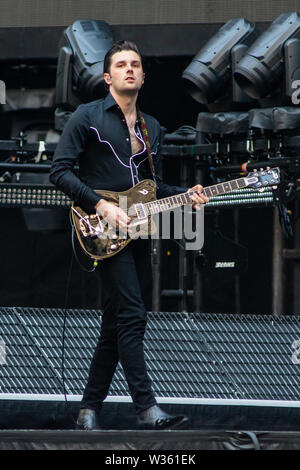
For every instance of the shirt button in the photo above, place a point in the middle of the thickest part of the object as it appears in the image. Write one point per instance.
(127, 139)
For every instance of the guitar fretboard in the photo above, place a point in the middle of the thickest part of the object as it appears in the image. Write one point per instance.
(171, 202)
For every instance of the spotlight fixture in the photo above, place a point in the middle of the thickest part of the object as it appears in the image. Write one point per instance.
(79, 76)
(207, 76)
(274, 52)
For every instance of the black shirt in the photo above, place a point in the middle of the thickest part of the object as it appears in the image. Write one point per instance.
(97, 138)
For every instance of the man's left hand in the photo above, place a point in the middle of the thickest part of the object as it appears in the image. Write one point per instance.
(198, 197)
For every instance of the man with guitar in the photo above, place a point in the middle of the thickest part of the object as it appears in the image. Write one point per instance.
(116, 147)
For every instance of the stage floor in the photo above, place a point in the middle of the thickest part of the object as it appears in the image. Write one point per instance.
(59, 412)
(235, 377)
(152, 441)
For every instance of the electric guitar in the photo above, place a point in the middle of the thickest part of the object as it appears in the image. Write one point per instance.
(99, 240)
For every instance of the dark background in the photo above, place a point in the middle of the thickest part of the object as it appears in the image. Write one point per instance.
(35, 264)
(36, 267)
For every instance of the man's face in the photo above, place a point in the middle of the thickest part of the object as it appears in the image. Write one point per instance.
(126, 75)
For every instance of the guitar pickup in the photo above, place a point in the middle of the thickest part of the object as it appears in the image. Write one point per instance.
(140, 210)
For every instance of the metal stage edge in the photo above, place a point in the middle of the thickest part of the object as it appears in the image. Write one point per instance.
(207, 416)
(160, 400)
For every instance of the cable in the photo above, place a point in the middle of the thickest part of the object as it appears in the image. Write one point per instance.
(63, 335)
(74, 255)
(240, 442)
(285, 221)
(95, 263)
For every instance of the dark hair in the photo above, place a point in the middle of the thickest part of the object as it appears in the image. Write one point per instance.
(118, 47)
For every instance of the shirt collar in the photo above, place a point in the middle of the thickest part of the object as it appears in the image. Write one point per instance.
(109, 102)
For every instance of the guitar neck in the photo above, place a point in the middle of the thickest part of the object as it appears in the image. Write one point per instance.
(178, 200)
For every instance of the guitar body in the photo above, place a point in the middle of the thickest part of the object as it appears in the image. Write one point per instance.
(110, 241)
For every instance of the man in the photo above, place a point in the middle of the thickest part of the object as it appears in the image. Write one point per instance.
(106, 138)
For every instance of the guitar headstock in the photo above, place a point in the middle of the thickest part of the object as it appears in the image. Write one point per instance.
(262, 178)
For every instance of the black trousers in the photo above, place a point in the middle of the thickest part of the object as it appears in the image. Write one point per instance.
(122, 329)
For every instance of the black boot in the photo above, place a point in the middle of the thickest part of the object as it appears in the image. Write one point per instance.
(156, 418)
(87, 420)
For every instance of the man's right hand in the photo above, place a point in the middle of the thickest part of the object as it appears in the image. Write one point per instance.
(113, 215)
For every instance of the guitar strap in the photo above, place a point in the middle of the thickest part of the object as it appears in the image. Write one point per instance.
(146, 139)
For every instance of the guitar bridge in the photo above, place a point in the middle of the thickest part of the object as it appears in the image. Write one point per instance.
(91, 226)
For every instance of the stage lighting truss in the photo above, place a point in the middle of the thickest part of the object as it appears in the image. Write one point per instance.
(38, 196)
(244, 197)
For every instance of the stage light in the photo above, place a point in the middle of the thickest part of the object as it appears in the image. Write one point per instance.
(32, 195)
(80, 64)
(206, 78)
(261, 69)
